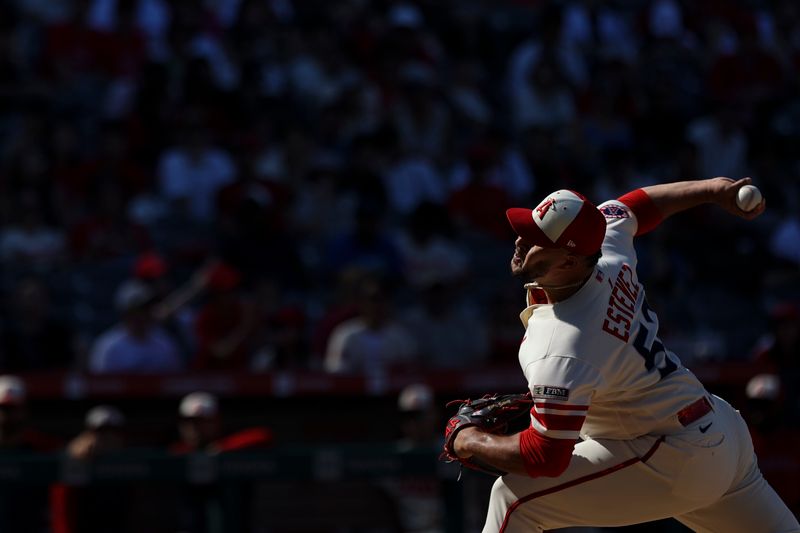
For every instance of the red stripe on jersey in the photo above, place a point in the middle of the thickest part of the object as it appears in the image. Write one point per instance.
(647, 214)
(561, 406)
(559, 422)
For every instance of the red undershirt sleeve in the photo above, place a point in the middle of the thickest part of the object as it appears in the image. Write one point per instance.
(544, 456)
(647, 214)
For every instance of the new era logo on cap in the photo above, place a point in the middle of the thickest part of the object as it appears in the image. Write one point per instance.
(564, 219)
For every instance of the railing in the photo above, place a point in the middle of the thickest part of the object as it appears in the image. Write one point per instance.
(71, 385)
(319, 488)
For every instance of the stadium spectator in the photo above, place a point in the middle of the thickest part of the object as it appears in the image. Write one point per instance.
(200, 428)
(279, 337)
(15, 432)
(419, 426)
(502, 162)
(420, 506)
(93, 508)
(543, 100)
(106, 232)
(777, 351)
(721, 143)
(192, 173)
(225, 324)
(137, 344)
(449, 332)
(775, 441)
(341, 307)
(104, 431)
(430, 249)
(28, 241)
(32, 337)
(368, 246)
(375, 341)
(478, 205)
(24, 506)
(201, 431)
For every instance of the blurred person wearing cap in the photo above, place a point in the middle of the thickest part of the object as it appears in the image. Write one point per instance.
(200, 428)
(621, 432)
(15, 431)
(104, 431)
(419, 497)
(173, 306)
(224, 324)
(420, 418)
(280, 339)
(779, 349)
(23, 505)
(201, 431)
(776, 435)
(93, 507)
(137, 344)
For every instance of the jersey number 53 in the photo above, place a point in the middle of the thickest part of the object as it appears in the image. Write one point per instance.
(650, 346)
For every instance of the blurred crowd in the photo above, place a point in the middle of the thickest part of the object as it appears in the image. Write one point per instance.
(74, 505)
(270, 184)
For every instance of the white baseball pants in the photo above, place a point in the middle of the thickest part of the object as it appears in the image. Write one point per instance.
(708, 481)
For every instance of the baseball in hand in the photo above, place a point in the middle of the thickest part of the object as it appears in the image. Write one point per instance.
(748, 197)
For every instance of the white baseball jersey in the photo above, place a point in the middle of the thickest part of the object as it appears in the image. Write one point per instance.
(594, 362)
(597, 368)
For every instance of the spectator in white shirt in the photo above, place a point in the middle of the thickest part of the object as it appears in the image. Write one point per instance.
(30, 242)
(544, 100)
(191, 174)
(136, 345)
(373, 342)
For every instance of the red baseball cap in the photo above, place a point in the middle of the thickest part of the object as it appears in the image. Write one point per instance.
(564, 219)
(149, 266)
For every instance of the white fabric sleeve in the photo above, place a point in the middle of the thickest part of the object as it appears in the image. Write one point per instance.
(621, 227)
(562, 389)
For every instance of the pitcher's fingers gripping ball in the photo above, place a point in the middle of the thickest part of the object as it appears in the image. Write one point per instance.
(748, 198)
(497, 414)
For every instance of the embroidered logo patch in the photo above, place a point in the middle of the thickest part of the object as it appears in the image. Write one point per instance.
(549, 392)
(614, 211)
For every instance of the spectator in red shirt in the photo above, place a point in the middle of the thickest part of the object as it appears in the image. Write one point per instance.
(74, 50)
(200, 428)
(224, 325)
(477, 204)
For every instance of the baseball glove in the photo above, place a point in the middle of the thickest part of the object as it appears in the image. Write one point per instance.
(497, 414)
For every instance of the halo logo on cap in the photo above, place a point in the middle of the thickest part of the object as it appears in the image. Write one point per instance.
(564, 219)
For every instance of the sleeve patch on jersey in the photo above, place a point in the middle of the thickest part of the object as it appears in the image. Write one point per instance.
(614, 211)
(550, 393)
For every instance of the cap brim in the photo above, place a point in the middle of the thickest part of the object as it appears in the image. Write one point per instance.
(521, 220)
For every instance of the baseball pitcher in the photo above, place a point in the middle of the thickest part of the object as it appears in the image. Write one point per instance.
(620, 431)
